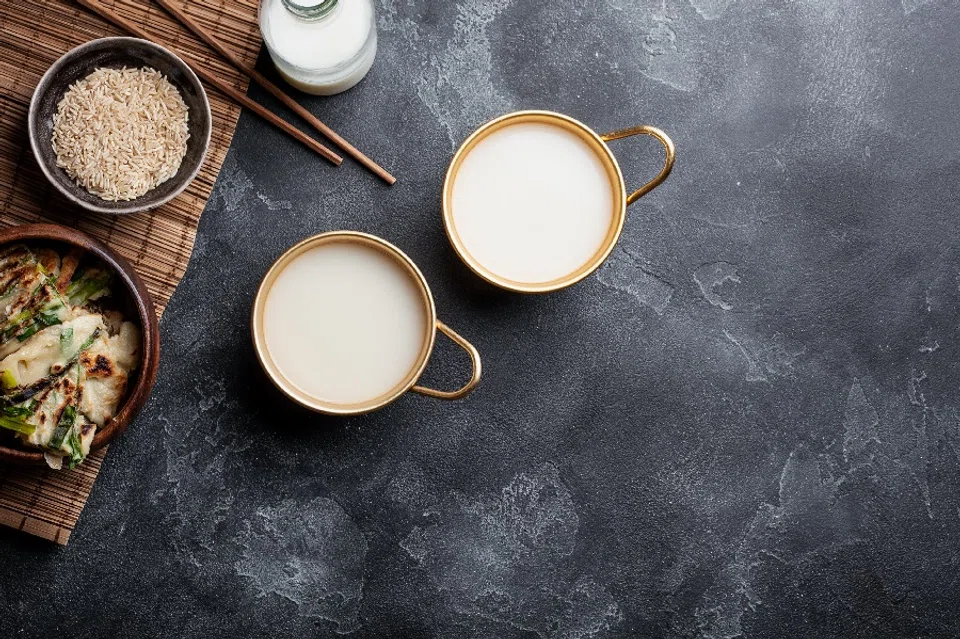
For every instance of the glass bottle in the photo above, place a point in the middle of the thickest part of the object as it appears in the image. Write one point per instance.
(321, 47)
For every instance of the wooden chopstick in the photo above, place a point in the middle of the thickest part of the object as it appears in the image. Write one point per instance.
(277, 92)
(263, 112)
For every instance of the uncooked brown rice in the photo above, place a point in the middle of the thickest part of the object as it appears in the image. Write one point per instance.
(121, 132)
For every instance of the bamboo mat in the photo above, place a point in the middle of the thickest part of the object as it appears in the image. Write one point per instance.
(32, 35)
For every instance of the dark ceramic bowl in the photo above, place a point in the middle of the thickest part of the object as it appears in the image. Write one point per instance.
(130, 296)
(115, 53)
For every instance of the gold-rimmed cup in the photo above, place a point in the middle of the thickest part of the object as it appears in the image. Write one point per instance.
(409, 382)
(598, 144)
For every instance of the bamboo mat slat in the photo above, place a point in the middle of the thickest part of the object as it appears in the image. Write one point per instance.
(33, 35)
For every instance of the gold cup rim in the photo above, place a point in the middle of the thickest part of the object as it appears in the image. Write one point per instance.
(614, 174)
(291, 390)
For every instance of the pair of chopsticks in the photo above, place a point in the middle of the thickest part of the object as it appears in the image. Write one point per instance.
(110, 16)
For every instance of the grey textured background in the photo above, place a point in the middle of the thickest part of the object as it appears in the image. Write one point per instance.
(746, 424)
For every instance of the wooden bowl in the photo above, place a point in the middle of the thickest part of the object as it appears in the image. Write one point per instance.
(138, 306)
(115, 53)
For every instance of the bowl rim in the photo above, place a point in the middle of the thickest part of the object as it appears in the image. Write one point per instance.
(150, 331)
(603, 153)
(283, 382)
(42, 87)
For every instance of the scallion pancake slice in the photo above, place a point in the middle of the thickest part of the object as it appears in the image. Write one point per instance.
(29, 299)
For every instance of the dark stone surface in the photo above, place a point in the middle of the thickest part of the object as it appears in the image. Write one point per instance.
(746, 424)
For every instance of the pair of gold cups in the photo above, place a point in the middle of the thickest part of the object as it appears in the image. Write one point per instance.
(621, 199)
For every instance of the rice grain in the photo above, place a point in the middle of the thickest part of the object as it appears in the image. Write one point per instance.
(119, 133)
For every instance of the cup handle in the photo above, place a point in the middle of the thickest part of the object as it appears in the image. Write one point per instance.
(667, 165)
(474, 358)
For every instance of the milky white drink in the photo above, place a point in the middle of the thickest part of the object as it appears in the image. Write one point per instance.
(532, 202)
(321, 47)
(344, 322)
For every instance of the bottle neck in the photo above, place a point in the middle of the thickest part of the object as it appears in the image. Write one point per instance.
(310, 9)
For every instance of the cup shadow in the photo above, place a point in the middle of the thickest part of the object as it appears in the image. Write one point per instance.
(288, 420)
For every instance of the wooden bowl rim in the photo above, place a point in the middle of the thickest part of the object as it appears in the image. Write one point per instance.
(150, 329)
